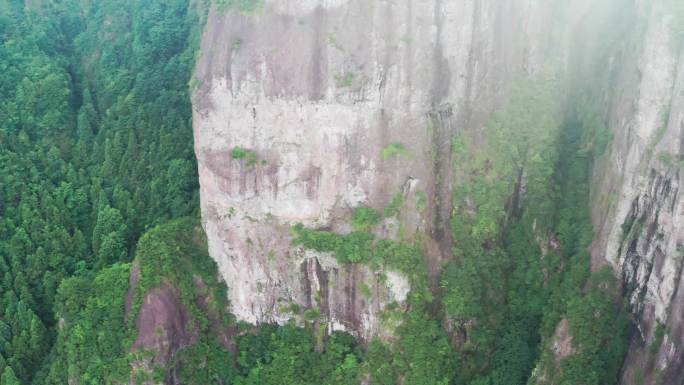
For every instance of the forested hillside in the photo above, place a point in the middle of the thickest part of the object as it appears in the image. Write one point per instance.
(95, 148)
(99, 184)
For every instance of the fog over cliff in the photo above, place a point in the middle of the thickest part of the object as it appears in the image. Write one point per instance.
(307, 110)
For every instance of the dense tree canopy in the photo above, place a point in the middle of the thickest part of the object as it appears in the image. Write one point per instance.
(95, 147)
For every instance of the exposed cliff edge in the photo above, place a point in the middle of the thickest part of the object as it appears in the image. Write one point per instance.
(638, 210)
(306, 110)
(321, 94)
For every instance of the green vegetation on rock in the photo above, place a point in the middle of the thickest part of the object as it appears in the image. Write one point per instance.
(249, 156)
(346, 80)
(176, 252)
(364, 218)
(393, 208)
(393, 149)
(362, 247)
(96, 340)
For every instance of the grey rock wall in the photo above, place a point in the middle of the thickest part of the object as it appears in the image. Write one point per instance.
(638, 211)
(317, 89)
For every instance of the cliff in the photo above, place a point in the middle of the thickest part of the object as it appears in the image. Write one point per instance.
(637, 204)
(305, 110)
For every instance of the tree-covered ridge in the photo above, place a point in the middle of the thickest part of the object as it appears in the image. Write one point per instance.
(95, 147)
(96, 333)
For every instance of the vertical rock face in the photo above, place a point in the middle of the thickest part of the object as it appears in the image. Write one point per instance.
(307, 109)
(638, 210)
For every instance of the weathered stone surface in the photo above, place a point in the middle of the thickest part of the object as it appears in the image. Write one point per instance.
(638, 211)
(317, 90)
(165, 326)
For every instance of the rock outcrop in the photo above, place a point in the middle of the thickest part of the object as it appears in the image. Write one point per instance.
(163, 325)
(307, 109)
(638, 210)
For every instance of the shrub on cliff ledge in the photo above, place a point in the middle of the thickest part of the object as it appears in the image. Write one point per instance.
(249, 156)
(350, 248)
(364, 218)
(393, 149)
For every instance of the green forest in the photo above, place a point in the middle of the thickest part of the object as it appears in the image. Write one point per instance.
(99, 178)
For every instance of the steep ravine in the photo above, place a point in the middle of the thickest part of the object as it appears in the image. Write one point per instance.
(305, 110)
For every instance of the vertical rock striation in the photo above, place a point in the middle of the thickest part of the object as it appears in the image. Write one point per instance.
(293, 107)
(638, 210)
(297, 107)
